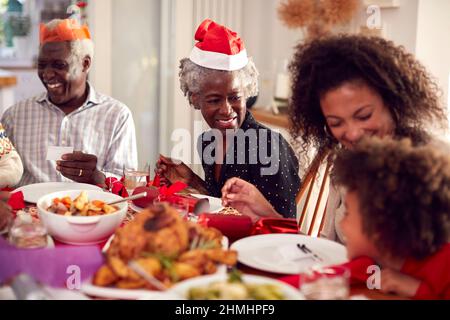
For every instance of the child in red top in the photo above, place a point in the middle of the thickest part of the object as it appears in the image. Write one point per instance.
(398, 214)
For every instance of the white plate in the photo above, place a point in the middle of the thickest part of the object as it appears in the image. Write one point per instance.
(215, 204)
(181, 289)
(263, 252)
(115, 293)
(33, 192)
(133, 294)
(7, 293)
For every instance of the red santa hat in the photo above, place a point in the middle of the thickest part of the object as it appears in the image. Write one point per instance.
(218, 48)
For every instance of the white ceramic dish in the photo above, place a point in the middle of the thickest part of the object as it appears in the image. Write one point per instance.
(266, 252)
(181, 289)
(115, 293)
(50, 242)
(33, 192)
(78, 230)
(215, 204)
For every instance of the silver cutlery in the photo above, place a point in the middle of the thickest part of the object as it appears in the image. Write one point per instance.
(134, 197)
(305, 249)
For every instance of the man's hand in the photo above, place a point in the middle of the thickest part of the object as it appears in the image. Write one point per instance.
(5, 210)
(398, 283)
(247, 199)
(80, 167)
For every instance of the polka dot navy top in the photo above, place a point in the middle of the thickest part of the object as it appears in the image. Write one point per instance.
(260, 156)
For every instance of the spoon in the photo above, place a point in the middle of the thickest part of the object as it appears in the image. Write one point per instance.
(134, 197)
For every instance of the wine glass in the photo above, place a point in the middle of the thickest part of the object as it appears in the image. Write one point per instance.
(182, 206)
(135, 178)
(325, 283)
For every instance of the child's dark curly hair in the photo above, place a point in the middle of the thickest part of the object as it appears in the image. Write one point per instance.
(326, 63)
(404, 194)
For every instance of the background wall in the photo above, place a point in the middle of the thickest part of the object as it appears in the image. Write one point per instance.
(268, 41)
(135, 68)
(180, 19)
(421, 26)
(100, 25)
(160, 32)
(399, 24)
(433, 41)
(126, 66)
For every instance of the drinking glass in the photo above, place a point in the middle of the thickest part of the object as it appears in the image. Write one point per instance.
(325, 283)
(135, 178)
(182, 206)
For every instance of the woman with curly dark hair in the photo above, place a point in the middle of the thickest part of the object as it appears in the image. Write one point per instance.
(344, 88)
(398, 213)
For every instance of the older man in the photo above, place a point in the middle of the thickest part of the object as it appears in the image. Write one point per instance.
(70, 114)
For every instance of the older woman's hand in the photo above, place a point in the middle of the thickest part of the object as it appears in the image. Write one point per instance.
(247, 199)
(5, 210)
(171, 171)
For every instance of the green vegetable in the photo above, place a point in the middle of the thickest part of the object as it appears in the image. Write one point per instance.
(235, 288)
(235, 276)
(265, 292)
(166, 262)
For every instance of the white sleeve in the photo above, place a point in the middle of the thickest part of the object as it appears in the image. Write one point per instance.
(329, 227)
(334, 214)
(123, 149)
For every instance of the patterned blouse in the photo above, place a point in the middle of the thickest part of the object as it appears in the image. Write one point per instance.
(11, 168)
(259, 156)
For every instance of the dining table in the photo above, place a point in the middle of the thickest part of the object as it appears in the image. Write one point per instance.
(356, 291)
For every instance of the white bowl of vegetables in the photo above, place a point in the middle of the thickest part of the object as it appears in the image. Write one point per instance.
(81, 217)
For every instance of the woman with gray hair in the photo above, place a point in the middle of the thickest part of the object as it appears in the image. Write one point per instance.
(217, 79)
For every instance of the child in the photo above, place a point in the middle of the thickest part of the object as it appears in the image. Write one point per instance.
(398, 214)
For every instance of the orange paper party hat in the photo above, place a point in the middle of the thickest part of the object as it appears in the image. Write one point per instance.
(66, 30)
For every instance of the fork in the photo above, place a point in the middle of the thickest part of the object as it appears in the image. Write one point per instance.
(305, 249)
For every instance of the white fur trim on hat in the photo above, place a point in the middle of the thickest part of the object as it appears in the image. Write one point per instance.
(219, 61)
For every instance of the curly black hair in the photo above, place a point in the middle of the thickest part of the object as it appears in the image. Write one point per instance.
(404, 194)
(406, 88)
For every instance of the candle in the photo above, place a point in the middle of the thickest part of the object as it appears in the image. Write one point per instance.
(283, 86)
